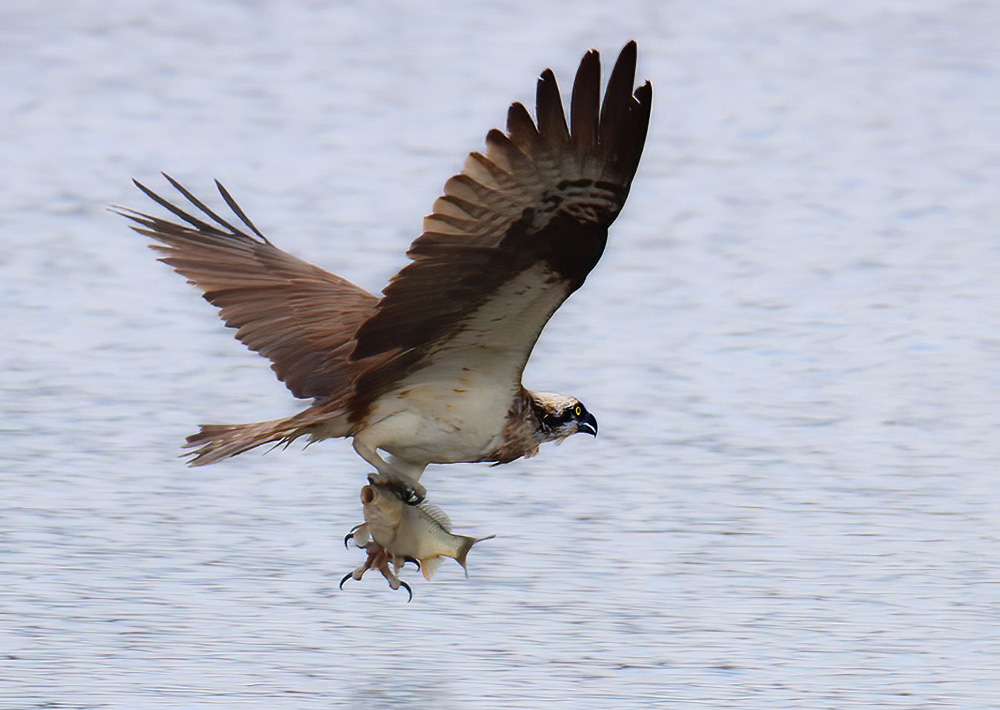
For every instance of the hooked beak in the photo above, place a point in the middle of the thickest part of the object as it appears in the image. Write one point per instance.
(587, 425)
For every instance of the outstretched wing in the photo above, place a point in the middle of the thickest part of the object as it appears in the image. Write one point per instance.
(297, 315)
(512, 237)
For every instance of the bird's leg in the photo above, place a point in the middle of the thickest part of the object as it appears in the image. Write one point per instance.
(399, 562)
(379, 559)
(382, 565)
(390, 576)
(396, 474)
(373, 552)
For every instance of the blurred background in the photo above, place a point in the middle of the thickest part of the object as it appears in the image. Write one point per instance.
(791, 345)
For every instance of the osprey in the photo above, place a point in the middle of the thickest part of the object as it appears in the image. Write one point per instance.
(431, 371)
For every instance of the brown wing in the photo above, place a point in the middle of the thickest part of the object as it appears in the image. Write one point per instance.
(297, 315)
(514, 234)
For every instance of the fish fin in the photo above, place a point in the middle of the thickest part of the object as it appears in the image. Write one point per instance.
(436, 514)
(429, 566)
(463, 549)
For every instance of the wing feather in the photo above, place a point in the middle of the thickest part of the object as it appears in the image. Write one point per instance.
(552, 128)
(586, 102)
(615, 108)
(521, 128)
(297, 315)
(508, 156)
(513, 235)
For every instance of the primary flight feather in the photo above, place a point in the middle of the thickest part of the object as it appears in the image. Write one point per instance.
(431, 371)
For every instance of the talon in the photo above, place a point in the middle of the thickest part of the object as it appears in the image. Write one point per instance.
(350, 535)
(409, 591)
(411, 493)
(346, 577)
(406, 493)
(402, 564)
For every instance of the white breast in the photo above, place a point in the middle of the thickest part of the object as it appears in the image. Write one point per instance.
(453, 408)
(439, 422)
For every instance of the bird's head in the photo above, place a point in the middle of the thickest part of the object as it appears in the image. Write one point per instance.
(560, 416)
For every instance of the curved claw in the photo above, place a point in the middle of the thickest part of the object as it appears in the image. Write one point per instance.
(346, 577)
(351, 534)
(414, 560)
(407, 494)
(412, 494)
(405, 586)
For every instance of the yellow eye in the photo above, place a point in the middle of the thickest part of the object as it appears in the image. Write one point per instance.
(578, 411)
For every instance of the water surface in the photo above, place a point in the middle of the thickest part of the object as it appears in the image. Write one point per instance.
(791, 345)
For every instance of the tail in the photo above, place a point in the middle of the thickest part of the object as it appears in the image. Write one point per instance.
(429, 565)
(466, 545)
(221, 441)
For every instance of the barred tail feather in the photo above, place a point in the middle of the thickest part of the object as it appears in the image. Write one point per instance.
(221, 441)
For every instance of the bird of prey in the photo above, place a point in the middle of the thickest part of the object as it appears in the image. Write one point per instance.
(431, 371)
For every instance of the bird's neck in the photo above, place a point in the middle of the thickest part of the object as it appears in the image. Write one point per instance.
(535, 413)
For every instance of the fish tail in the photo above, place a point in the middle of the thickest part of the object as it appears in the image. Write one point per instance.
(465, 546)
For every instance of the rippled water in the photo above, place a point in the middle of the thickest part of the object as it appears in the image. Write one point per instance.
(791, 345)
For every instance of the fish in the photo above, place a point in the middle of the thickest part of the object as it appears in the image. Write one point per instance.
(397, 532)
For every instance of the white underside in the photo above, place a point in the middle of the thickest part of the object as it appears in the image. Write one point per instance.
(453, 409)
(437, 422)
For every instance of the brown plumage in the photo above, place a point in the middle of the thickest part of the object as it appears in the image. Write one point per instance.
(431, 372)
